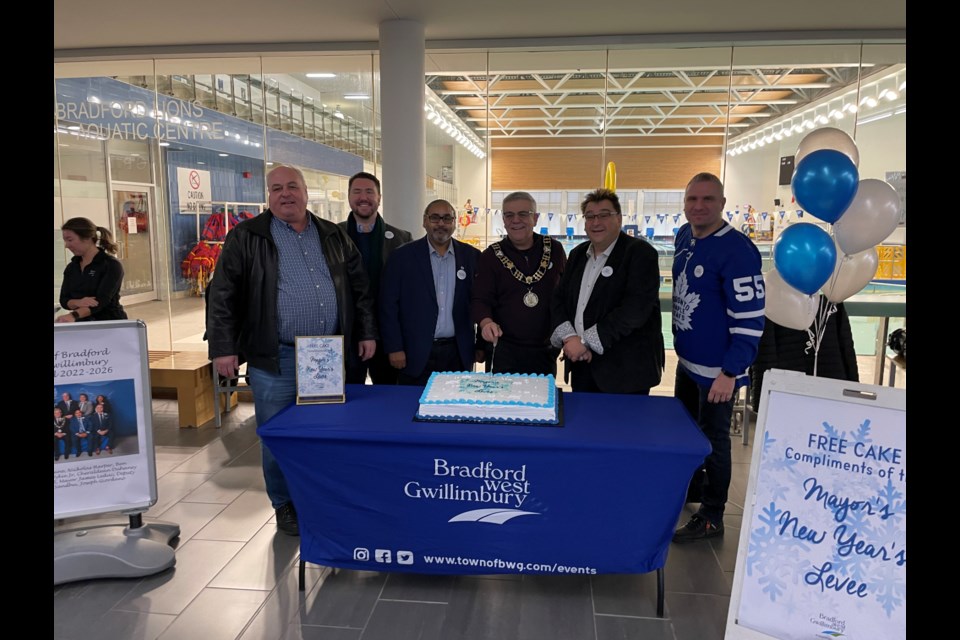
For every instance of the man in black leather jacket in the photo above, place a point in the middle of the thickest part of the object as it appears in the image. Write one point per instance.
(283, 274)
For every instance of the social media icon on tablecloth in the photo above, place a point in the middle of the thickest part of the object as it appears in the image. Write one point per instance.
(383, 555)
(361, 554)
(404, 557)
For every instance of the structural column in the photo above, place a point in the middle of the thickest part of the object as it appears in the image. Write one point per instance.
(403, 125)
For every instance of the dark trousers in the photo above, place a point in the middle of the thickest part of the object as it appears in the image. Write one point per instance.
(713, 419)
(378, 366)
(581, 379)
(444, 356)
(508, 357)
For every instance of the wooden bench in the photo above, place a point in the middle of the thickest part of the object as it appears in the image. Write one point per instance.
(191, 375)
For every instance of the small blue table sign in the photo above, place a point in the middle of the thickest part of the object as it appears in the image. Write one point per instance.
(320, 369)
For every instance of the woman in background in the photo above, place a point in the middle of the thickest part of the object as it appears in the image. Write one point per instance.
(91, 282)
(102, 399)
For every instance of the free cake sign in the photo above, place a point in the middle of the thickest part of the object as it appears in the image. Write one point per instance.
(823, 549)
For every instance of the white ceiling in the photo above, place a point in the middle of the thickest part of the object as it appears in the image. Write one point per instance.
(535, 71)
(248, 25)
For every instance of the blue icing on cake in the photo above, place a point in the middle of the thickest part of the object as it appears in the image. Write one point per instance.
(500, 397)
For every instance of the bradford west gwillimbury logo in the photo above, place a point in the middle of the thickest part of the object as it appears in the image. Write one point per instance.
(506, 489)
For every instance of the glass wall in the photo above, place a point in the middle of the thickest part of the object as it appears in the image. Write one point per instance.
(168, 154)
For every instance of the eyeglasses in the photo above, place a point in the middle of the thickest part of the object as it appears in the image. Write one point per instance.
(436, 217)
(602, 215)
(523, 215)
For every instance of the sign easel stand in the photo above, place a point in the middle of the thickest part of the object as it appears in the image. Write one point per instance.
(113, 550)
(109, 355)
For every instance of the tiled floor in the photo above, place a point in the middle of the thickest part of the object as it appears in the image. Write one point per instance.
(236, 576)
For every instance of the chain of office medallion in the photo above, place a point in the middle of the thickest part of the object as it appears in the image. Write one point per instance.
(516, 273)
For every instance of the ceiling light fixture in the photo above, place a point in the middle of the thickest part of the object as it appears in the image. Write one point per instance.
(337, 113)
(321, 75)
(355, 96)
(447, 120)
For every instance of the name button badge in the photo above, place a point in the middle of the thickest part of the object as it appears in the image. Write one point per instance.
(461, 274)
(606, 272)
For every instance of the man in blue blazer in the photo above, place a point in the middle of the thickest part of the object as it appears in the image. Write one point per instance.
(425, 301)
(81, 429)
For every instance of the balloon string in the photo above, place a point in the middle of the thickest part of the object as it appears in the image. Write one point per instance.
(820, 325)
(840, 256)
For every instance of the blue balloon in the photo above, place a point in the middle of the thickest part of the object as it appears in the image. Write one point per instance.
(805, 256)
(825, 183)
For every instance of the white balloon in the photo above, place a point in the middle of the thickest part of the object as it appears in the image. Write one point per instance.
(827, 138)
(870, 218)
(787, 306)
(851, 274)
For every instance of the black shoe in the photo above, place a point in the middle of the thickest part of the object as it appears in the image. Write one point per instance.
(287, 520)
(698, 528)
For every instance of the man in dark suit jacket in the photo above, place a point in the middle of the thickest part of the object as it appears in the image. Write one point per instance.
(425, 301)
(606, 309)
(376, 240)
(62, 444)
(103, 427)
(67, 405)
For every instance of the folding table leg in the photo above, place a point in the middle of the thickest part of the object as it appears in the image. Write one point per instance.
(660, 592)
(303, 574)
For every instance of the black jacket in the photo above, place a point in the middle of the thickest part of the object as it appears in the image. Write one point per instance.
(398, 237)
(625, 308)
(242, 296)
(783, 348)
(102, 280)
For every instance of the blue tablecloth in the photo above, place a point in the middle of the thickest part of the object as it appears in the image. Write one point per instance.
(376, 490)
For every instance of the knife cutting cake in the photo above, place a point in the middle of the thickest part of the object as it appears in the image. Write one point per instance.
(490, 397)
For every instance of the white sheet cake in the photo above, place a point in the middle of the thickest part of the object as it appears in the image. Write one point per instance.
(490, 397)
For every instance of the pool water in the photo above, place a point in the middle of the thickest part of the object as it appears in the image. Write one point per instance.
(864, 328)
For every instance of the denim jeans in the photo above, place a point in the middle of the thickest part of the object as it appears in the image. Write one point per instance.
(271, 393)
(713, 419)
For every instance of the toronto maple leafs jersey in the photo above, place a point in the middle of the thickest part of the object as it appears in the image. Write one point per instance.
(718, 302)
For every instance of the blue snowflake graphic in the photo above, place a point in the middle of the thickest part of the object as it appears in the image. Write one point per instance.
(866, 511)
(862, 434)
(774, 557)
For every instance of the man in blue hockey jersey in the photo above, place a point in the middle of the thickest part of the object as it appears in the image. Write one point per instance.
(718, 301)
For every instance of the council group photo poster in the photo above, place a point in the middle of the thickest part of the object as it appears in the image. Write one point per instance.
(100, 457)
